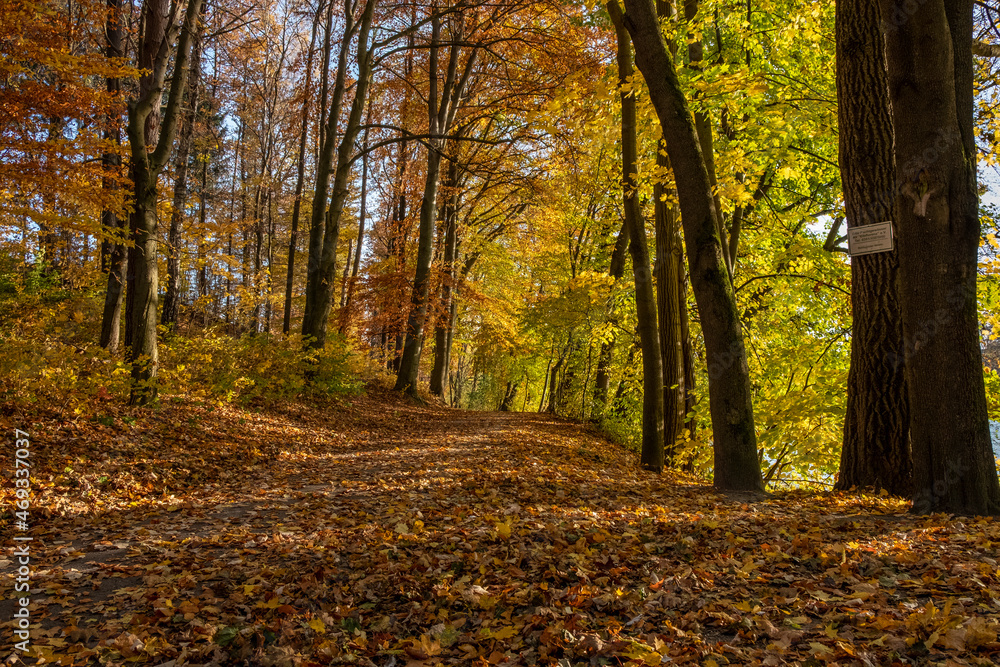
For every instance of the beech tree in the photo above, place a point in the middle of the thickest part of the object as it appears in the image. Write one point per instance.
(735, 442)
(645, 300)
(329, 199)
(444, 98)
(172, 296)
(113, 249)
(929, 61)
(157, 34)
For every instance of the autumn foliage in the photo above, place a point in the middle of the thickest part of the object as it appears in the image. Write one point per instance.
(202, 318)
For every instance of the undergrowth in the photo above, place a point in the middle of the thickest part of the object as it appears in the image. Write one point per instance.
(51, 357)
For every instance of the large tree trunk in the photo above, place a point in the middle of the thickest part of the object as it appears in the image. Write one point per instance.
(929, 58)
(442, 332)
(876, 448)
(645, 300)
(409, 363)
(735, 441)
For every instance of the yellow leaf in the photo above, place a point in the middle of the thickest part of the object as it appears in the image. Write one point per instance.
(317, 625)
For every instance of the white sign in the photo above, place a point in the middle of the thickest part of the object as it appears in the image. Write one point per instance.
(868, 239)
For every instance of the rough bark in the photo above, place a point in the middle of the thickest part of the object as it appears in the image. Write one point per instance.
(929, 62)
(735, 441)
(651, 455)
(876, 446)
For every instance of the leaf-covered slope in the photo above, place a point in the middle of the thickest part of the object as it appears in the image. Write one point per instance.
(375, 531)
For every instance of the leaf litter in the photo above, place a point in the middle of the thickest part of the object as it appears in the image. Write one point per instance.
(375, 531)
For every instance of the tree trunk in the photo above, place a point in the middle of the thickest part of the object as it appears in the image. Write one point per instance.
(929, 61)
(645, 301)
(670, 303)
(203, 196)
(171, 299)
(876, 447)
(362, 213)
(111, 319)
(508, 397)
(325, 229)
(258, 250)
(441, 111)
(142, 295)
(409, 364)
(113, 251)
(602, 377)
(293, 238)
(735, 441)
(703, 128)
(554, 377)
(442, 332)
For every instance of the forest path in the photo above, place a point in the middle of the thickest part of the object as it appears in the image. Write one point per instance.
(377, 531)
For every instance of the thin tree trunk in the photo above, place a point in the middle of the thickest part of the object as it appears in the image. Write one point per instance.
(670, 303)
(362, 213)
(736, 464)
(203, 196)
(346, 274)
(293, 239)
(258, 263)
(545, 384)
(113, 252)
(645, 300)
(441, 111)
(602, 377)
(554, 376)
(325, 230)
(703, 128)
(171, 299)
(142, 288)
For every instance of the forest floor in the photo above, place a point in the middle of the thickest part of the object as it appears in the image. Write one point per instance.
(377, 531)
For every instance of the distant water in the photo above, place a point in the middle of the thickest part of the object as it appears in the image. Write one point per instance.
(995, 434)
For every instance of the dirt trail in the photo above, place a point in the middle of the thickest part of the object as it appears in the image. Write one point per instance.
(378, 531)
